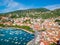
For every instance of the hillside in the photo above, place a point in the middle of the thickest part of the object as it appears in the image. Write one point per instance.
(33, 13)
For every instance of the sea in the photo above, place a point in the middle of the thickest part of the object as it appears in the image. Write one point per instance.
(11, 36)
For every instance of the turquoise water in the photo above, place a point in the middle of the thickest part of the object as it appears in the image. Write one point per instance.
(10, 36)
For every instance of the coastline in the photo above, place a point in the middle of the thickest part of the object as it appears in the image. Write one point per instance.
(31, 42)
(19, 28)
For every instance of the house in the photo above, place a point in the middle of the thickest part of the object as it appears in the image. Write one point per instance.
(43, 42)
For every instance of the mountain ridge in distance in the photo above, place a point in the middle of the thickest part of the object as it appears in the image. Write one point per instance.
(34, 13)
(32, 9)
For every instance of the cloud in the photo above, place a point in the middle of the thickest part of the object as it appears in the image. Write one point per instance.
(12, 6)
(52, 7)
(3, 3)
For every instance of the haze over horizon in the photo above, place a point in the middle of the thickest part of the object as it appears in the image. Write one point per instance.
(13, 5)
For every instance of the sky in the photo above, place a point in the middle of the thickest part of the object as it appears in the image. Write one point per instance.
(13, 5)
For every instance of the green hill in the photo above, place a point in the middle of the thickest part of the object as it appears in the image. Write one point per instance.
(33, 13)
